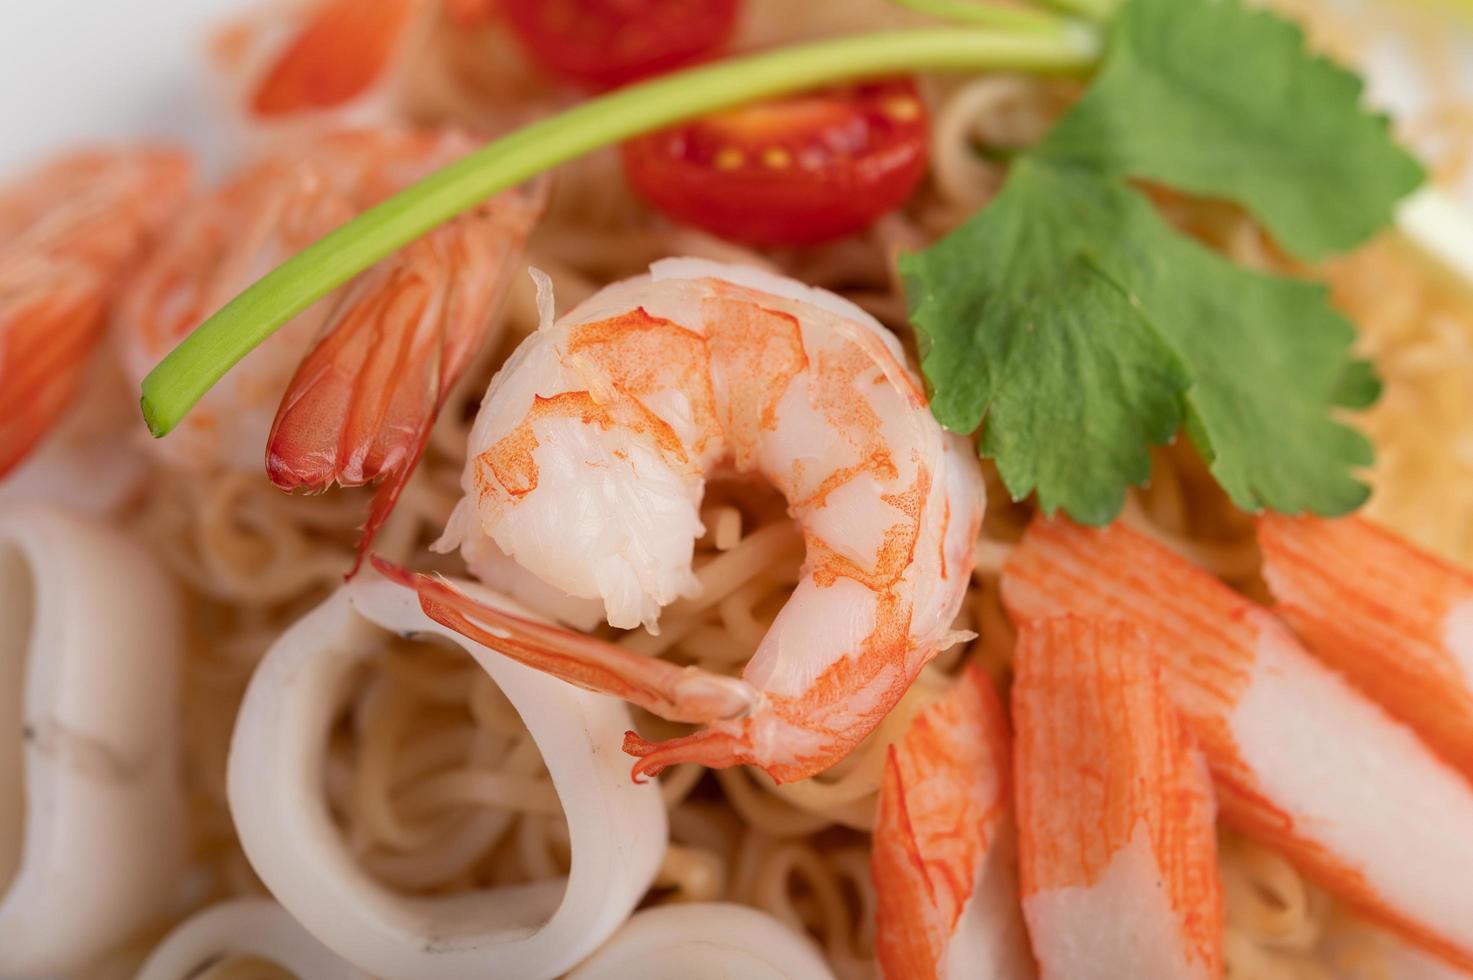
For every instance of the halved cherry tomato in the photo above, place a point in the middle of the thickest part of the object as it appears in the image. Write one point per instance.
(788, 172)
(606, 43)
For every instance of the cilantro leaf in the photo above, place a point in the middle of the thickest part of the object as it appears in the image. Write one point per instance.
(1082, 329)
(1269, 359)
(1216, 99)
(1022, 320)
(1085, 329)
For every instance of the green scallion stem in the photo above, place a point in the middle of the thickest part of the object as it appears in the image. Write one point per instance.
(982, 13)
(203, 357)
(1099, 11)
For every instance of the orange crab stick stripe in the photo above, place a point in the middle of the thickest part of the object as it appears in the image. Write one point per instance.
(1115, 810)
(1300, 759)
(944, 858)
(360, 407)
(1395, 620)
(339, 54)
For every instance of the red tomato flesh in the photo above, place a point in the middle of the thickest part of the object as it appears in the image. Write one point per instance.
(789, 172)
(603, 44)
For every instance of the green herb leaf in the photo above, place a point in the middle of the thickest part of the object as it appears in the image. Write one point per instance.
(1085, 329)
(1024, 318)
(1218, 100)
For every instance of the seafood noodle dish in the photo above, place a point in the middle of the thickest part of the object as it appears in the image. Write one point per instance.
(903, 489)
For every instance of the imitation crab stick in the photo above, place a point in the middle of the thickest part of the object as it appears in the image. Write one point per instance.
(1115, 810)
(944, 861)
(1300, 759)
(1395, 620)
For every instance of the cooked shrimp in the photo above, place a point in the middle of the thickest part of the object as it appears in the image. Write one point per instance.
(1300, 759)
(222, 242)
(68, 233)
(1395, 620)
(343, 58)
(587, 466)
(1115, 811)
(944, 860)
(263, 216)
(346, 62)
(360, 407)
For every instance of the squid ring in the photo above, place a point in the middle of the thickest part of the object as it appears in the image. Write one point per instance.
(244, 927)
(91, 808)
(617, 829)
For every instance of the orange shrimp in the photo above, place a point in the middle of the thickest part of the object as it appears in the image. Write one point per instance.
(68, 234)
(1115, 810)
(343, 58)
(1395, 620)
(360, 407)
(347, 61)
(944, 858)
(1300, 759)
(415, 317)
(588, 461)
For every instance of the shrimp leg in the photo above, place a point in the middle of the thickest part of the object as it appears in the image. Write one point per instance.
(1115, 810)
(682, 694)
(1300, 759)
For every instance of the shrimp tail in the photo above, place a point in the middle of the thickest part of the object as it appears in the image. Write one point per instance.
(682, 694)
(361, 405)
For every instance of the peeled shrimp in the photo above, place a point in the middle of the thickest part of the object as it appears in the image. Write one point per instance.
(68, 233)
(945, 859)
(359, 375)
(587, 465)
(1115, 811)
(617, 830)
(1300, 759)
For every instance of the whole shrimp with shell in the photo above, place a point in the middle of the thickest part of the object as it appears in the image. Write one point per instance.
(345, 393)
(70, 231)
(587, 466)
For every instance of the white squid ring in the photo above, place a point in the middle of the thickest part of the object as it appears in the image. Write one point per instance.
(617, 829)
(91, 807)
(705, 941)
(244, 927)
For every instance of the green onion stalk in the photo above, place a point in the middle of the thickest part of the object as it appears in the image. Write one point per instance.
(984, 38)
